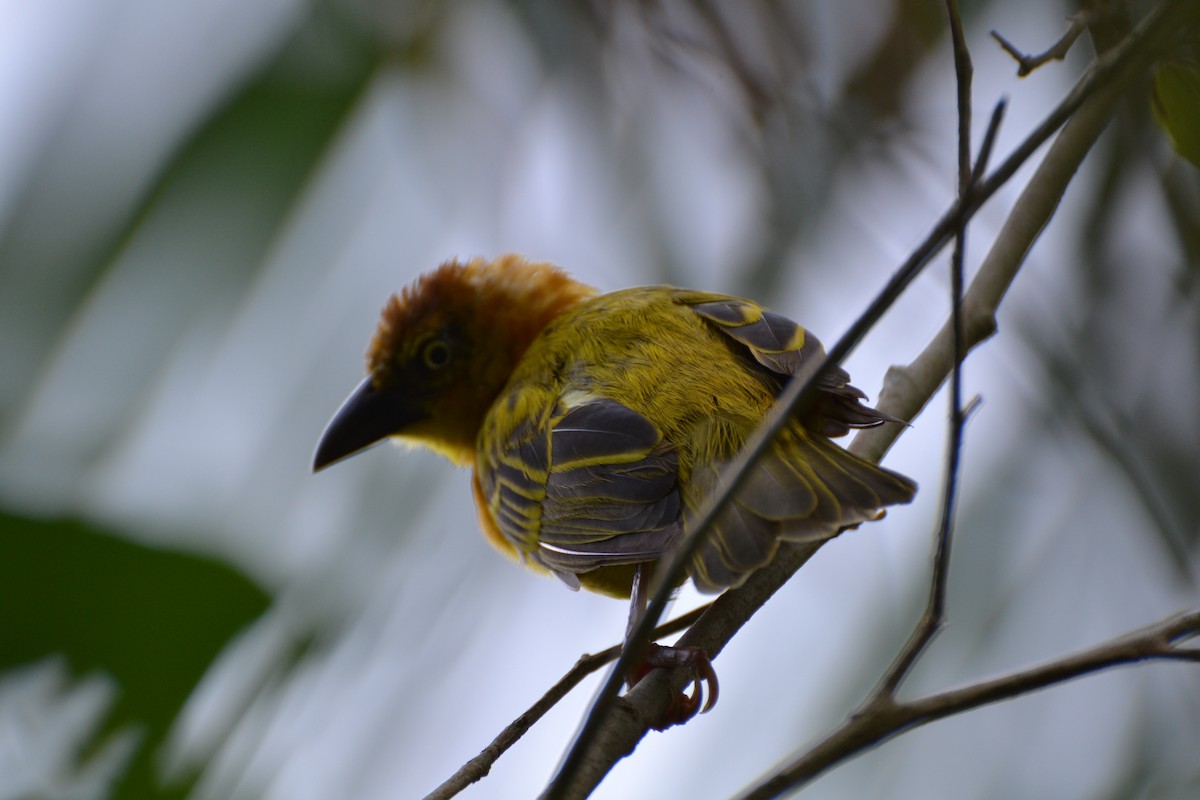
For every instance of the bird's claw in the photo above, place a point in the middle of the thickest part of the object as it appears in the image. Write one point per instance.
(696, 661)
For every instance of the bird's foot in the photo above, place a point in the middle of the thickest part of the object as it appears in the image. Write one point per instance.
(687, 704)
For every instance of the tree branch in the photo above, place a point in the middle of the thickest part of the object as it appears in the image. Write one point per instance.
(882, 718)
(933, 619)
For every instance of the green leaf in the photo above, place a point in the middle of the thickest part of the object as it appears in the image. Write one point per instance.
(1176, 105)
(152, 620)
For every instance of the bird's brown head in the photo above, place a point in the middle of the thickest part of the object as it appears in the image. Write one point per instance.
(444, 349)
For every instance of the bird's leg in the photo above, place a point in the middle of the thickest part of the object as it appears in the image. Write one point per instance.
(637, 599)
(693, 659)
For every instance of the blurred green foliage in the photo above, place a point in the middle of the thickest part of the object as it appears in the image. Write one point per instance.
(1177, 105)
(151, 619)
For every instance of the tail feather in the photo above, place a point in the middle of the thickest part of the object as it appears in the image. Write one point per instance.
(804, 489)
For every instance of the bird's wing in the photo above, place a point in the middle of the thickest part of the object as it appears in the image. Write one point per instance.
(596, 486)
(787, 349)
(804, 488)
(612, 496)
(585, 482)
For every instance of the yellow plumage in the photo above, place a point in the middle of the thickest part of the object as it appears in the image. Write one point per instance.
(597, 425)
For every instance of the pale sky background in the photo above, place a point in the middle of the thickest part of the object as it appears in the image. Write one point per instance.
(179, 402)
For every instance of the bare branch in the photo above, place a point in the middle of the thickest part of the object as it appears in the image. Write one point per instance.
(1057, 52)
(933, 619)
(883, 718)
(989, 141)
(963, 73)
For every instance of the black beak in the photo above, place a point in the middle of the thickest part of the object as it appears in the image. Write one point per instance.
(366, 417)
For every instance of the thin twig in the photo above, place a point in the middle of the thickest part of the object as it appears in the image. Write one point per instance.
(964, 72)
(478, 767)
(1027, 63)
(933, 619)
(989, 141)
(885, 718)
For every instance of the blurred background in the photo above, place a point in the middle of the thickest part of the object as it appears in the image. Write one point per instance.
(205, 203)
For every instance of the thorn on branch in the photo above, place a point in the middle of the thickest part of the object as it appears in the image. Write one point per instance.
(973, 405)
(1027, 63)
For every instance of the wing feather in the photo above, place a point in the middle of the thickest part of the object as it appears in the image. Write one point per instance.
(786, 348)
(608, 493)
(600, 431)
(805, 488)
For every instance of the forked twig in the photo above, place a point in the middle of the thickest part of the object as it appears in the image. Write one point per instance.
(1027, 63)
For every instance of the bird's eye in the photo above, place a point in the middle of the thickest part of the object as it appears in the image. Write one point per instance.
(436, 354)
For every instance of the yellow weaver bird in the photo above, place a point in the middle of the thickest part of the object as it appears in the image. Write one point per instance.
(597, 424)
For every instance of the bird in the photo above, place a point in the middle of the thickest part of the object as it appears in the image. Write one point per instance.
(597, 426)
